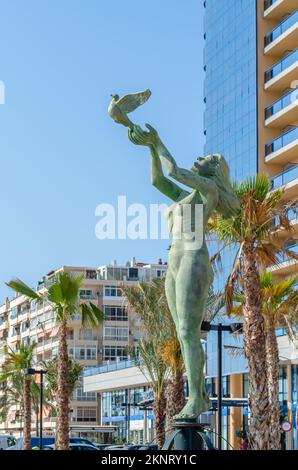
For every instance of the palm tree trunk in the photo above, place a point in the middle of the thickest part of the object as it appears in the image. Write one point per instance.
(27, 413)
(175, 396)
(62, 431)
(255, 351)
(159, 408)
(272, 357)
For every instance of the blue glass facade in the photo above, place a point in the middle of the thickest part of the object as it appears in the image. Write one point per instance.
(230, 120)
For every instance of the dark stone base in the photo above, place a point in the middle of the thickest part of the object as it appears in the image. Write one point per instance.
(187, 435)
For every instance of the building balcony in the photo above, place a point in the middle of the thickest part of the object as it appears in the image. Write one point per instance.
(286, 266)
(277, 9)
(284, 149)
(282, 38)
(283, 112)
(283, 74)
(288, 181)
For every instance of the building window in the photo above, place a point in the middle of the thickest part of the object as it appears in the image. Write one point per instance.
(133, 274)
(112, 403)
(86, 414)
(112, 291)
(33, 323)
(210, 387)
(80, 395)
(70, 334)
(91, 274)
(14, 313)
(283, 385)
(112, 333)
(87, 333)
(15, 331)
(111, 353)
(86, 353)
(245, 386)
(86, 294)
(114, 313)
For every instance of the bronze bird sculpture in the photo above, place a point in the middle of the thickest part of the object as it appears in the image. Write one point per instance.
(120, 107)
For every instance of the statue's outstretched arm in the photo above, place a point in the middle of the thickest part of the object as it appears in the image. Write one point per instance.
(191, 179)
(163, 184)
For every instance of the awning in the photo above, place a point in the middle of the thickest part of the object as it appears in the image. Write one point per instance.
(90, 428)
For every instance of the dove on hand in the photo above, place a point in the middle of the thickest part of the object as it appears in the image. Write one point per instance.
(120, 107)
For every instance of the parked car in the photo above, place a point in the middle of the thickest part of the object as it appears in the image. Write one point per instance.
(80, 440)
(116, 447)
(6, 441)
(101, 446)
(134, 446)
(34, 443)
(152, 447)
(73, 446)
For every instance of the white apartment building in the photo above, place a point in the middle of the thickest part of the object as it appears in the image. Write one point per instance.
(22, 321)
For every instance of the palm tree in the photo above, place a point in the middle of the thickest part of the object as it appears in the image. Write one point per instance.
(280, 308)
(14, 370)
(63, 296)
(75, 370)
(145, 299)
(150, 362)
(254, 231)
(171, 354)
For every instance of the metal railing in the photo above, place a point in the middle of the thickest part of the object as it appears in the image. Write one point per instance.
(287, 99)
(282, 65)
(285, 177)
(281, 141)
(281, 28)
(118, 365)
(268, 4)
(284, 257)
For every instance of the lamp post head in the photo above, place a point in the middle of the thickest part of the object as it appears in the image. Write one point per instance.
(30, 371)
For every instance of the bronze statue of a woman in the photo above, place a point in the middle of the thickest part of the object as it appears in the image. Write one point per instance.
(189, 274)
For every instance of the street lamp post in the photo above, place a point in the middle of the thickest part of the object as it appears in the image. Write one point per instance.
(41, 372)
(219, 327)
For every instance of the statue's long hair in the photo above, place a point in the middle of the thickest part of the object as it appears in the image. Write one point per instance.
(228, 202)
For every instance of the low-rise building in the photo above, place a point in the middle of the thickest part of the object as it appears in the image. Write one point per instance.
(24, 321)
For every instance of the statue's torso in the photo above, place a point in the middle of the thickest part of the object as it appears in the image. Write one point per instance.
(185, 216)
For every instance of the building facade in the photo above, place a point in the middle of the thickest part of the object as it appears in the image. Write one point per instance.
(26, 322)
(251, 117)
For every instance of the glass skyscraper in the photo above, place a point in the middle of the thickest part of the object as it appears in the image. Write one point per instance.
(230, 121)
(251, 117)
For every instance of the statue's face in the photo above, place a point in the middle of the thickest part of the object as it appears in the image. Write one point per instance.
(205, 166)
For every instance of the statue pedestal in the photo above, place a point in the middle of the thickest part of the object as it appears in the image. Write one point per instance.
(187, 435)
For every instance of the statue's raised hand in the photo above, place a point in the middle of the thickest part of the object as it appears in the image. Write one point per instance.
(140, 137)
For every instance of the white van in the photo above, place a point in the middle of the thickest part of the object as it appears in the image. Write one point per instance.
(6, 441)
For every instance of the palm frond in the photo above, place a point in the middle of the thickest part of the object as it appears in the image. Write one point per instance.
(21, 288)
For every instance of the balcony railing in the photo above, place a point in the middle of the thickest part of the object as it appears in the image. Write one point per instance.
(281, 28)
(285, 177)
(282, 141)
(282, 65)
(284, 257)
(287, 99)
(109, 367)
(268, 4)
(292, 214)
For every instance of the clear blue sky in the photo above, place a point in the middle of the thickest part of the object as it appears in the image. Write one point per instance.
(61, 155)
